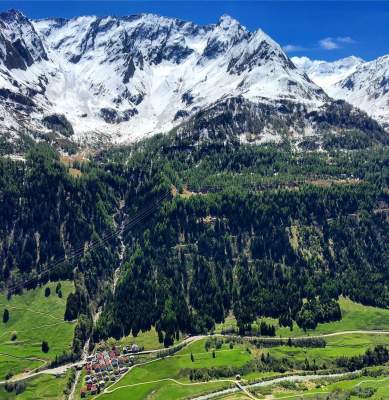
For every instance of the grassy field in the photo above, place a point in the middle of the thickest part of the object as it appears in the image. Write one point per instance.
(355, 316)
(40, 388)
(148, 340)
(337, 346)
(380, 384)
(317, 391)
(152, 379)
(33, 318)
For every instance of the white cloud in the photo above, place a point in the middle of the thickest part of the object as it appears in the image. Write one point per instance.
(345, 39)
(328, 44)
(292, 48)
(332, 43)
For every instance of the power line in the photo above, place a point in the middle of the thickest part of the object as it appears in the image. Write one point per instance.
(81, 251)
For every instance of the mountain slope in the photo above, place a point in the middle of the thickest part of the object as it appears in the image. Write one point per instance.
(368, 88)
(325, 73)
(91, 79)
(363, 84)
(136, 75)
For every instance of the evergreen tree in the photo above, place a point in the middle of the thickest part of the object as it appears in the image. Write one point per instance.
(45, 346)
(5, 315)
(58, 287)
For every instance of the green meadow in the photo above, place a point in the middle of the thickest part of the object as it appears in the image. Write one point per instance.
(355, 316)
(337, 346)
(148, 340)
(40, 388)
(152, 379)
(337, 390)
(155, 379)
(321, 391)
(32, 319)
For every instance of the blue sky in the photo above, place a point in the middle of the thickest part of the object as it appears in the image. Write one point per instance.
(319, 29)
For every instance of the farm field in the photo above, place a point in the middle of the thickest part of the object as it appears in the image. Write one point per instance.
(355, 316)
(32, 319)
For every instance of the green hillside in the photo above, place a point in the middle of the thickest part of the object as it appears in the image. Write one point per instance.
(34, 318)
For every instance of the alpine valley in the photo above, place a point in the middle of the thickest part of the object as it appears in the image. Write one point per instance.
(187, 213)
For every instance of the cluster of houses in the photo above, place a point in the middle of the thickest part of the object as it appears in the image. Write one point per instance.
(105, 367)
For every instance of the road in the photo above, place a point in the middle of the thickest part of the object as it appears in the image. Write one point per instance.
(324, 335)
(63, 368)
(239, 386)
(51, 371)
(78, 373)
(290, 378)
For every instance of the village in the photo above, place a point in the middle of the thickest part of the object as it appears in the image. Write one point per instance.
(106, 366)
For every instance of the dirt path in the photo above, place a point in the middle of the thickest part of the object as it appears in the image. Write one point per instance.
(246, 392)
(372, 380)
(291, 396)
(168, 380)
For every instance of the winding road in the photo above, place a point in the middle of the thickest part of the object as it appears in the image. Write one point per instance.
(63, 368)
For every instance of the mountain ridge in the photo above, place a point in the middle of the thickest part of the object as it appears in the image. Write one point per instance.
(365, 84)
(120, 79)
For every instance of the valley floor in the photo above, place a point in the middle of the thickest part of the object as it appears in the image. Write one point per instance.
(34, 317)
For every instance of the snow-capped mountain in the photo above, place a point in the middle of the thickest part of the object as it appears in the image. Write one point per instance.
(124, 78)
(367, 88)
(363, 84)
(138, 75)
(325, 73)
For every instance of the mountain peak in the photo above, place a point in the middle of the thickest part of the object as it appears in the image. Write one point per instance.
(20, 44)
(363, 84)
(12, 14)
(226, 21)
(141, 74)
(327, 73)
(354, 59)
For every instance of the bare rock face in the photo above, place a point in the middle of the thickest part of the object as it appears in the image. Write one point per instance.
(58, 123)
(20, 44)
